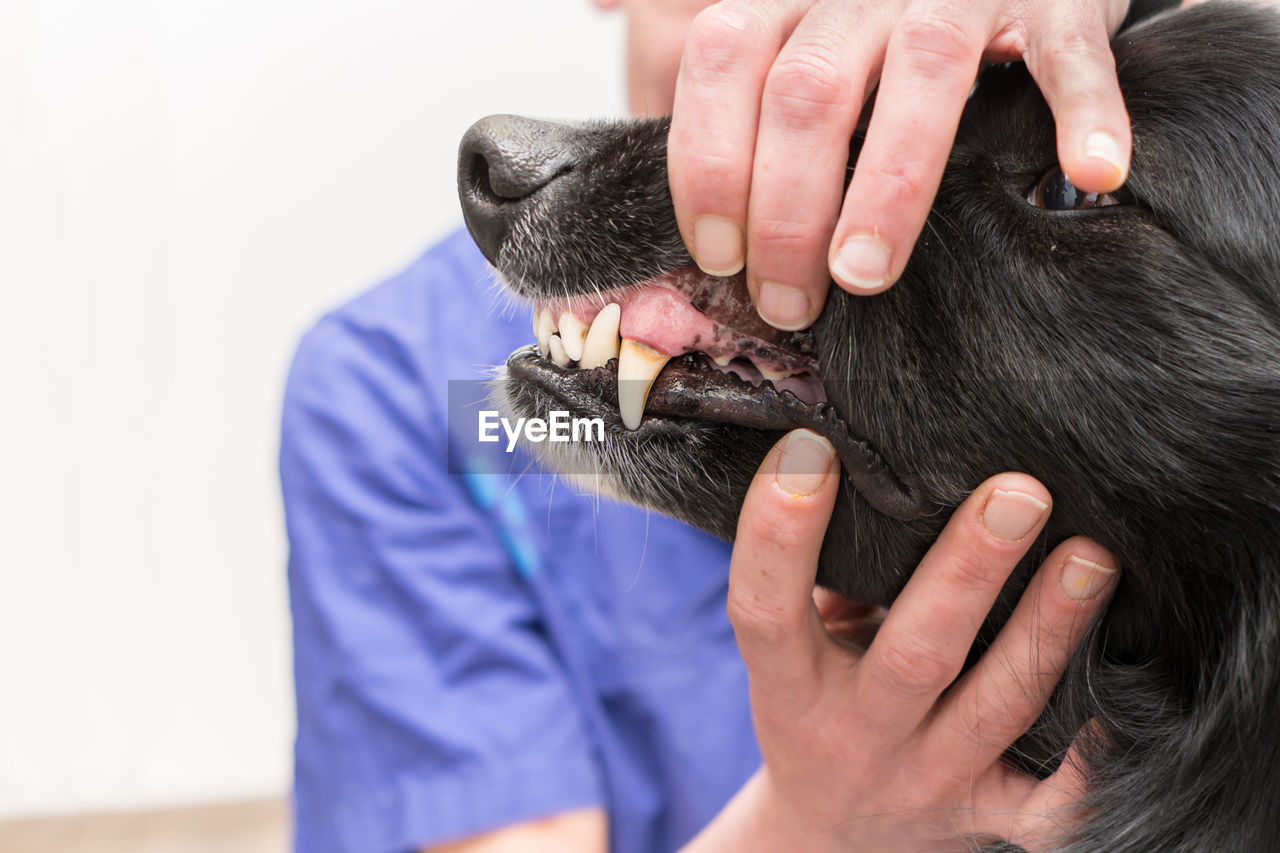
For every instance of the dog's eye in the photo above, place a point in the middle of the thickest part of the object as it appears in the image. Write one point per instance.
(1056, 192)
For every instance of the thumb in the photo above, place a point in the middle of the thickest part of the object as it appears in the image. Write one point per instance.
(775, 560)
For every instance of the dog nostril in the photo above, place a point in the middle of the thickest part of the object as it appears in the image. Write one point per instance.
(503, 162)
(506, 184)
(478, 178)
(507, 158)
(512, 177)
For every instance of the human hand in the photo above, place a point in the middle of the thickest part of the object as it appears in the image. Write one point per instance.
(879, 750)
(768, 97)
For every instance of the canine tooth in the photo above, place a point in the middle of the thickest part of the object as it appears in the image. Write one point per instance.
(573, 332)
(558, 355)
(722, 360)
(543, 326)
(602, 339)
(638, 366)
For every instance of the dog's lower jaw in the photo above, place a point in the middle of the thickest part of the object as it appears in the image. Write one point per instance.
(689, 488)
(586, 470)
(689, 396)
(699, 473)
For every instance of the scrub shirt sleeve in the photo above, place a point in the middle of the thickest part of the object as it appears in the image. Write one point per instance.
(430, 704)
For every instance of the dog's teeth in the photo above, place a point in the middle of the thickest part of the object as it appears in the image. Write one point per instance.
(543, 326)
(723, 360)
(602, 340)
(558, 355)
(638, 366)
(574, 334)
(773, 375)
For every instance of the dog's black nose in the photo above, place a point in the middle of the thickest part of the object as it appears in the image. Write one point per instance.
(503, 163)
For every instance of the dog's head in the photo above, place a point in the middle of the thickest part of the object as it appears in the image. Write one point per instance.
(1123, 349)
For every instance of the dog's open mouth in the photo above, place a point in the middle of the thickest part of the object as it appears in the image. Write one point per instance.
(657, 343)
(684, 348)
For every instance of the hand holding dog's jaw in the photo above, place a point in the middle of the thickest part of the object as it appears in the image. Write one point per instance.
(759, 144)
(915, 761)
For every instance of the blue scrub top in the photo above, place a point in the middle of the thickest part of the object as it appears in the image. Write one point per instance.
(473, 650)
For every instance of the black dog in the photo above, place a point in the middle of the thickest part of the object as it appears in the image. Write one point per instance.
(1123, 349)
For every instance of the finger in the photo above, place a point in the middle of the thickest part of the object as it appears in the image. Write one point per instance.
(1069, 55)
(812, 98)
(1054, 808)
(775, 559)
(998, 700)
(929, 69)
(924, 640)
(713, 124)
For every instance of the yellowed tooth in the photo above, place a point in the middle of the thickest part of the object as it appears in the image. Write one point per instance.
(602, 340)
(544, 326)
(638, 366)
(722, 360)
(558, 355)
(574, 334)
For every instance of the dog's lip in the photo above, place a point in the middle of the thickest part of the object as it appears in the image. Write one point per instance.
(690, 391)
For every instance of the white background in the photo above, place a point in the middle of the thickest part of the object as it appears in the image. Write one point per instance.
(184, 186)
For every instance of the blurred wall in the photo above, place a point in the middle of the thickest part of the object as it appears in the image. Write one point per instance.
(185, 185)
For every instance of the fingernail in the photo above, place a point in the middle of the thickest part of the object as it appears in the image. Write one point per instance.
(783, 306)
(804, 463)
(1012, 515)
(862, 262)
(1082, 579)
(717, 245)
(1101, 145)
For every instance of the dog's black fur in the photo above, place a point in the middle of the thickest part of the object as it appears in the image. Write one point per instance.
(1127, 356)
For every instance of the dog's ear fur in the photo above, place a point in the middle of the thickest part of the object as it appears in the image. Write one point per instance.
(1199, 774)
(1140, 10)
(1206, 128)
